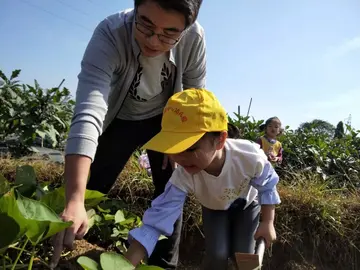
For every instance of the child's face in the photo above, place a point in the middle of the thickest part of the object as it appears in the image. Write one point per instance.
(273, 129)
(199, 156)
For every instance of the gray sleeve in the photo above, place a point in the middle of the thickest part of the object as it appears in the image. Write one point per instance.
(100, 59)
(195, 74)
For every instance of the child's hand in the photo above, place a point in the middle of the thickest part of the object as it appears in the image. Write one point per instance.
(271, 157)
(267, 231)
(135, 253)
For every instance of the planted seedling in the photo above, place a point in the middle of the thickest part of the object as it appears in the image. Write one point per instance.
(111, 261)
(26, 222)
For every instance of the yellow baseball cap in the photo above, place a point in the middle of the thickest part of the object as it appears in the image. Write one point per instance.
(187, 116)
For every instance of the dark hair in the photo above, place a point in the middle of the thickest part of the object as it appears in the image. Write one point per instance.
(233, 132)
(268, 122)
(188, 8)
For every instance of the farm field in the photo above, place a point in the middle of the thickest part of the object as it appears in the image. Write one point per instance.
(317, 223)
(317, 228)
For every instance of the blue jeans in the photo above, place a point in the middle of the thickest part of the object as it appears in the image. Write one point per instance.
(229, 231)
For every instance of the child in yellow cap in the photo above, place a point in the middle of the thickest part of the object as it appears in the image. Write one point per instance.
(231, 178)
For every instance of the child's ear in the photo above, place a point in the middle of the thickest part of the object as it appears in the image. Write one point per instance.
(222, 139)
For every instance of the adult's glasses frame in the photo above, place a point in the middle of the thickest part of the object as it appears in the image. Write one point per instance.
(149, 33)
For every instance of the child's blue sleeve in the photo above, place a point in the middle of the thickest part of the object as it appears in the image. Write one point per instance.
(160, 218)
(266, 183)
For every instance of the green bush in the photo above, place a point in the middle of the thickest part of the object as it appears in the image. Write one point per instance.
(30, 112)
(335, 158)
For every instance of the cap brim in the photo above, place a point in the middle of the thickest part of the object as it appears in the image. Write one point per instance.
(171, 142)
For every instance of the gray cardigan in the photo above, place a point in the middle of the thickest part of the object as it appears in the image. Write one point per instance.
(108, 68)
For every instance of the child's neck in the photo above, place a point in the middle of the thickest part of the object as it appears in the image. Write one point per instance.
(270, 137)
(217, 164)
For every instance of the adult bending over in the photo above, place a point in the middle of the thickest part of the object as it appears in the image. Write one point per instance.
(134, 62)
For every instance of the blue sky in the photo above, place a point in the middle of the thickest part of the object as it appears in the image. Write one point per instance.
(299, 60)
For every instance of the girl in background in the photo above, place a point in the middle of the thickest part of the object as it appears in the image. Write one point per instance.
(269, 143)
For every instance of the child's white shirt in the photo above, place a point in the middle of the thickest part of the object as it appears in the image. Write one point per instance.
(244, 161)
(246, 174)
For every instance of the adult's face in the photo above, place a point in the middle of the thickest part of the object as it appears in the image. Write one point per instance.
(157, 30)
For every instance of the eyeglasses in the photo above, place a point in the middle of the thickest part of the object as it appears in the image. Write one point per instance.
(149, 33)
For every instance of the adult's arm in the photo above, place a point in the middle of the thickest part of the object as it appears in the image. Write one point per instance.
(100, 59)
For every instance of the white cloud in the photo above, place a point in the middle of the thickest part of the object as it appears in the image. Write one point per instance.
(346, 47)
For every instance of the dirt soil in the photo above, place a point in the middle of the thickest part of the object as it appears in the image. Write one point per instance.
(84, 248)
(191, 254)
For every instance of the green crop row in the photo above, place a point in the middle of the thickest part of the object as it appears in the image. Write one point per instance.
(29, 217)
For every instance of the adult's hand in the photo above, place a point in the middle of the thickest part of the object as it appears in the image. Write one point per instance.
(75, 212)
(166, 160)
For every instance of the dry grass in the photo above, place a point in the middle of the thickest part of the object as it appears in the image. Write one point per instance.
(317, 228)
(318, 225)
(45, 170)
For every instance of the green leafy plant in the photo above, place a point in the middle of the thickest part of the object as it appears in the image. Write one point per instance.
(313, 147)
(29, 215)
(26, 221)
(31, 112)
(29, 212)
(110, 223)
(249, 127)
(111, 261)
(111, 228)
